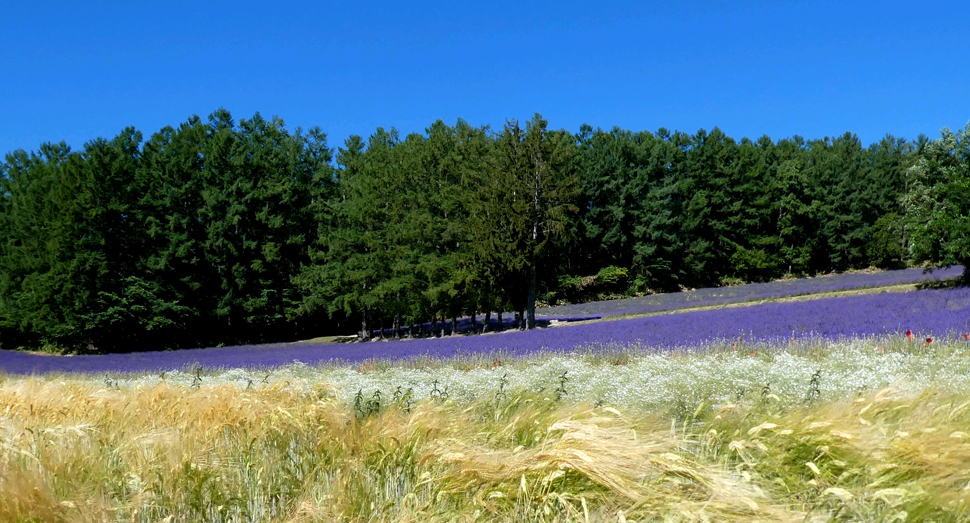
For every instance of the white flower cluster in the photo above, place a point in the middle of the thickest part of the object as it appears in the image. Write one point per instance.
(632, 379)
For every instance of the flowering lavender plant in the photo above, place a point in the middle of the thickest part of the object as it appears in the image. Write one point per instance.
(755, 292)
(927, 313)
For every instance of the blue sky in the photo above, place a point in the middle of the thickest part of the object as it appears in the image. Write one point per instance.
(75, 71)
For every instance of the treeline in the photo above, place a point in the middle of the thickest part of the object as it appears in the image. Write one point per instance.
(225, 232)
(189, 238)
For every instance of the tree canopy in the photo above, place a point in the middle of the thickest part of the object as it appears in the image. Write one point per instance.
(938, 201)
(218, 231)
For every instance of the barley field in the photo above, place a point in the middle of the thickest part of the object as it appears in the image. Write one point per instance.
(861, 429)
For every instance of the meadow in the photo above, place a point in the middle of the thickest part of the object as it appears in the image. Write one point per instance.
(840, 408)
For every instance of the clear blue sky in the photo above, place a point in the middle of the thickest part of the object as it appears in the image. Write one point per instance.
(75, 71)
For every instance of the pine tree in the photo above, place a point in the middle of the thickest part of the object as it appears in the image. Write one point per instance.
(524, 205)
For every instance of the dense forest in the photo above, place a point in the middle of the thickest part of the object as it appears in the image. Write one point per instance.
(220, 232)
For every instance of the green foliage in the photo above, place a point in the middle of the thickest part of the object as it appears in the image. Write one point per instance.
(609, 281)
(885, 249)
(220, 231)
(70, 233)
(126, 246)
(532, 170)
(938, 201)
(138, 308)
(611, 276)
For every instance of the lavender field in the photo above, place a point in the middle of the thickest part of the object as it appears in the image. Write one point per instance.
(926, 313)
(755, 292)
(778, 411)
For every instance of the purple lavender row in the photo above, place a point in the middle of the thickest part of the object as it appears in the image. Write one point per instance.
(710, 296)
(927, 313)
(754, 292)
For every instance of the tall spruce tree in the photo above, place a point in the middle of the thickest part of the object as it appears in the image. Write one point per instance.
(37, 249)
(171, 206)
(659, 238)
(530, 200)
(258, 225)
(357, 256)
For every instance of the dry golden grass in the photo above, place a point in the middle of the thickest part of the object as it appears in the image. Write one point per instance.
(75, 450)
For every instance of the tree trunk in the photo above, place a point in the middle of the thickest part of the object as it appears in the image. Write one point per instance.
(518, 320)
(474, 322)
(397, 327)
(364, 331)
(500, 326)
(488, 321)
(530, 304)
(454, 325)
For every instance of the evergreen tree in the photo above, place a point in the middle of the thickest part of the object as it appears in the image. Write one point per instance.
(710, 235)
(754, 204)
(528, 205)
(658, 235)
(358, 255)
(259, 186)
(891, 158)
(838, 169)
(36, 249)
(172, 185)
(797, 218)
(71, 254)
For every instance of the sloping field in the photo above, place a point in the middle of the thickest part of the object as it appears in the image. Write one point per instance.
(756, 292)
(839, 408)
(935, 313)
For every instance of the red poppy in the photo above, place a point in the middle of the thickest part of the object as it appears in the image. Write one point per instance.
(966, 336)
(929, 340)
(752, 353)
(909, 334)
(733, 345)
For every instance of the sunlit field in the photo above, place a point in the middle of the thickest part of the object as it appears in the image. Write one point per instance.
(758, 291)
(846, 407)
(865, 428)
(878, 312)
